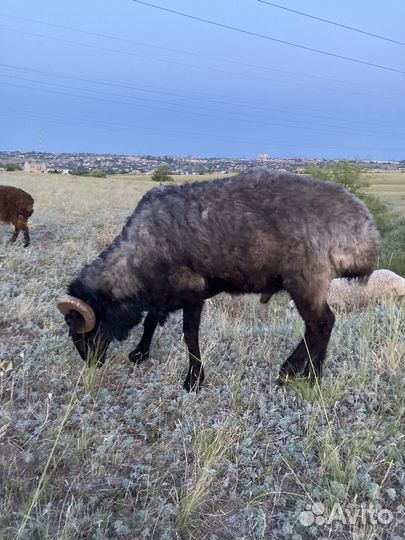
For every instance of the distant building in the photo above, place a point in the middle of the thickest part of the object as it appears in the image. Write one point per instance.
(35, 167)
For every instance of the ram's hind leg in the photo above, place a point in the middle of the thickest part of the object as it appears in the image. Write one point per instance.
(26, 232)
(191, 325)
(20, 224)
(308, 356)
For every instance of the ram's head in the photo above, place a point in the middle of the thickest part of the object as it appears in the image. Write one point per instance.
(84, 329)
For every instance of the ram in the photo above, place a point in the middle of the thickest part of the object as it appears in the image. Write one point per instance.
(258, 232)
(16, 207)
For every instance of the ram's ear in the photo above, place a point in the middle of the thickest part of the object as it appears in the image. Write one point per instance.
(75, 321)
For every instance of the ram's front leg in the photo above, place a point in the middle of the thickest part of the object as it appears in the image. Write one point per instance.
(191, 325)
(141, 352)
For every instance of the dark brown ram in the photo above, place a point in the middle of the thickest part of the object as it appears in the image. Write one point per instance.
(258, 232)
(16, 207)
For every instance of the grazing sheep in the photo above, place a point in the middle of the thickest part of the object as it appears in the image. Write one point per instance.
(258, 232)
(16, 207)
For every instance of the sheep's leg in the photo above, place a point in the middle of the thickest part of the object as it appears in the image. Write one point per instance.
(265, 297)
(141, 352)
(21, 225)
(310, 353)
(14, 236)
(273, 286)
(322, 331)
(191, 325)
(26, 233)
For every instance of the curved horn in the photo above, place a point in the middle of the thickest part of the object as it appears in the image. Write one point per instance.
(68, 303)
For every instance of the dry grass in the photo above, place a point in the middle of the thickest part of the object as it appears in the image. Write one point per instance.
(390, 187)
(123, 452)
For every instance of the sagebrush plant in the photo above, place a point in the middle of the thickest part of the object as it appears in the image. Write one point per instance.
(124, 452)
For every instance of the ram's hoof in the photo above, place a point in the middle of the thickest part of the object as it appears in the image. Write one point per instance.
(137, 356)
(193, 384)
(191, 387)
(282, 380)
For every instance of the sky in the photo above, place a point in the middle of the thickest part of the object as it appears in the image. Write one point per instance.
(126, 78)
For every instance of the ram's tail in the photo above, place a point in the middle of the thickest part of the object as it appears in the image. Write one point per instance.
(355, 256)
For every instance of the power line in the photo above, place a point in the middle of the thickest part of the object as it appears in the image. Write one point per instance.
(177, 63)
(332, 22)
(263, 36)
(254, 118)
(187, 53)
(181, 95)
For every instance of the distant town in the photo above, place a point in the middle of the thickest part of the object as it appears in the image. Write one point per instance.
(110, 164)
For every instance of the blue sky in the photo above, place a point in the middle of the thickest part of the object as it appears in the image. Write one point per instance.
(174, 86)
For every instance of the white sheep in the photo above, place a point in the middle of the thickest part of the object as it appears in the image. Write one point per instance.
(382, 285)
(345, 294)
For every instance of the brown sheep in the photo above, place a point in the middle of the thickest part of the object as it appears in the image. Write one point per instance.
(16, 207)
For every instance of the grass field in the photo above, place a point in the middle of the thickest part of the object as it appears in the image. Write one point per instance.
(123, 452)
(390, 187)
